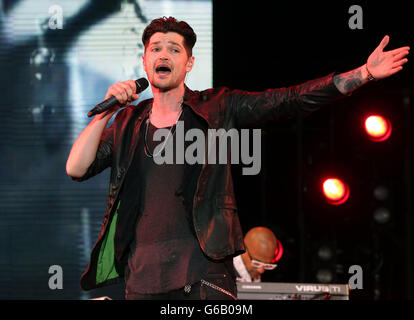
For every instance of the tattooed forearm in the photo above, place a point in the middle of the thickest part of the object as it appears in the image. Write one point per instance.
(349, 81)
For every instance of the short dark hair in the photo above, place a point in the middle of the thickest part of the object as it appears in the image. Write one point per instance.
(171, 24)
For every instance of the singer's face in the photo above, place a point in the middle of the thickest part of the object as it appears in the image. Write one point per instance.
(165, 60)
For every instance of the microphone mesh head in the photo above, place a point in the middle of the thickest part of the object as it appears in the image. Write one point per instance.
(141, 84)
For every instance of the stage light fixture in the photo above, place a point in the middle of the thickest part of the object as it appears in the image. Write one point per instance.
(336, 191)
(381, 212)
(324, 276)
(381, 193)
(382, 215)
(278, 252)
(325, 253)
(378, 128)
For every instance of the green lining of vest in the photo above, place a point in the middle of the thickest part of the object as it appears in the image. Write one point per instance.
(105, 269)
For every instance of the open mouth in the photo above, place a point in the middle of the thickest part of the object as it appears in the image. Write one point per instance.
(163, 70)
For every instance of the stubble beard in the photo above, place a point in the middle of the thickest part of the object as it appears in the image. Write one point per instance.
(167, 86)
(164, 87)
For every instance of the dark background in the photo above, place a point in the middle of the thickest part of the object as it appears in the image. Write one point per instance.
(276, 44)
(257, 46)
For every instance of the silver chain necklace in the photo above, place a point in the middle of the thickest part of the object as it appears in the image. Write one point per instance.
(146, 148)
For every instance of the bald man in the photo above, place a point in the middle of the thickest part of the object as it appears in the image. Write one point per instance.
(261, 245)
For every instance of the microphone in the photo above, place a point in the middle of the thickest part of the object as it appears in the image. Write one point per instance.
(141, 85)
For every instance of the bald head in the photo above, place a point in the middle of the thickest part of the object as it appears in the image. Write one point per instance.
(261, 243)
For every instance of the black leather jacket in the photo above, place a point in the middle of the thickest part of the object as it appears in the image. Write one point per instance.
(214, 213)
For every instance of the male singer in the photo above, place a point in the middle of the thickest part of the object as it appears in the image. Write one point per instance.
(171, 231)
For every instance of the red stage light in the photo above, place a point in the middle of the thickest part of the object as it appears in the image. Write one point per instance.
(335, 191)
(278, 251)
(378, 128)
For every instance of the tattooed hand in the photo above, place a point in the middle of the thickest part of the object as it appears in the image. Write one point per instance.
(380, 64)
(383, 64)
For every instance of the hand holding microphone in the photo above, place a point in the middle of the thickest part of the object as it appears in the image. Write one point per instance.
(119, 94)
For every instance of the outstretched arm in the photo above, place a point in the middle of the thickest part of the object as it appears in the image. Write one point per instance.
(380, 65)
(257, 108)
